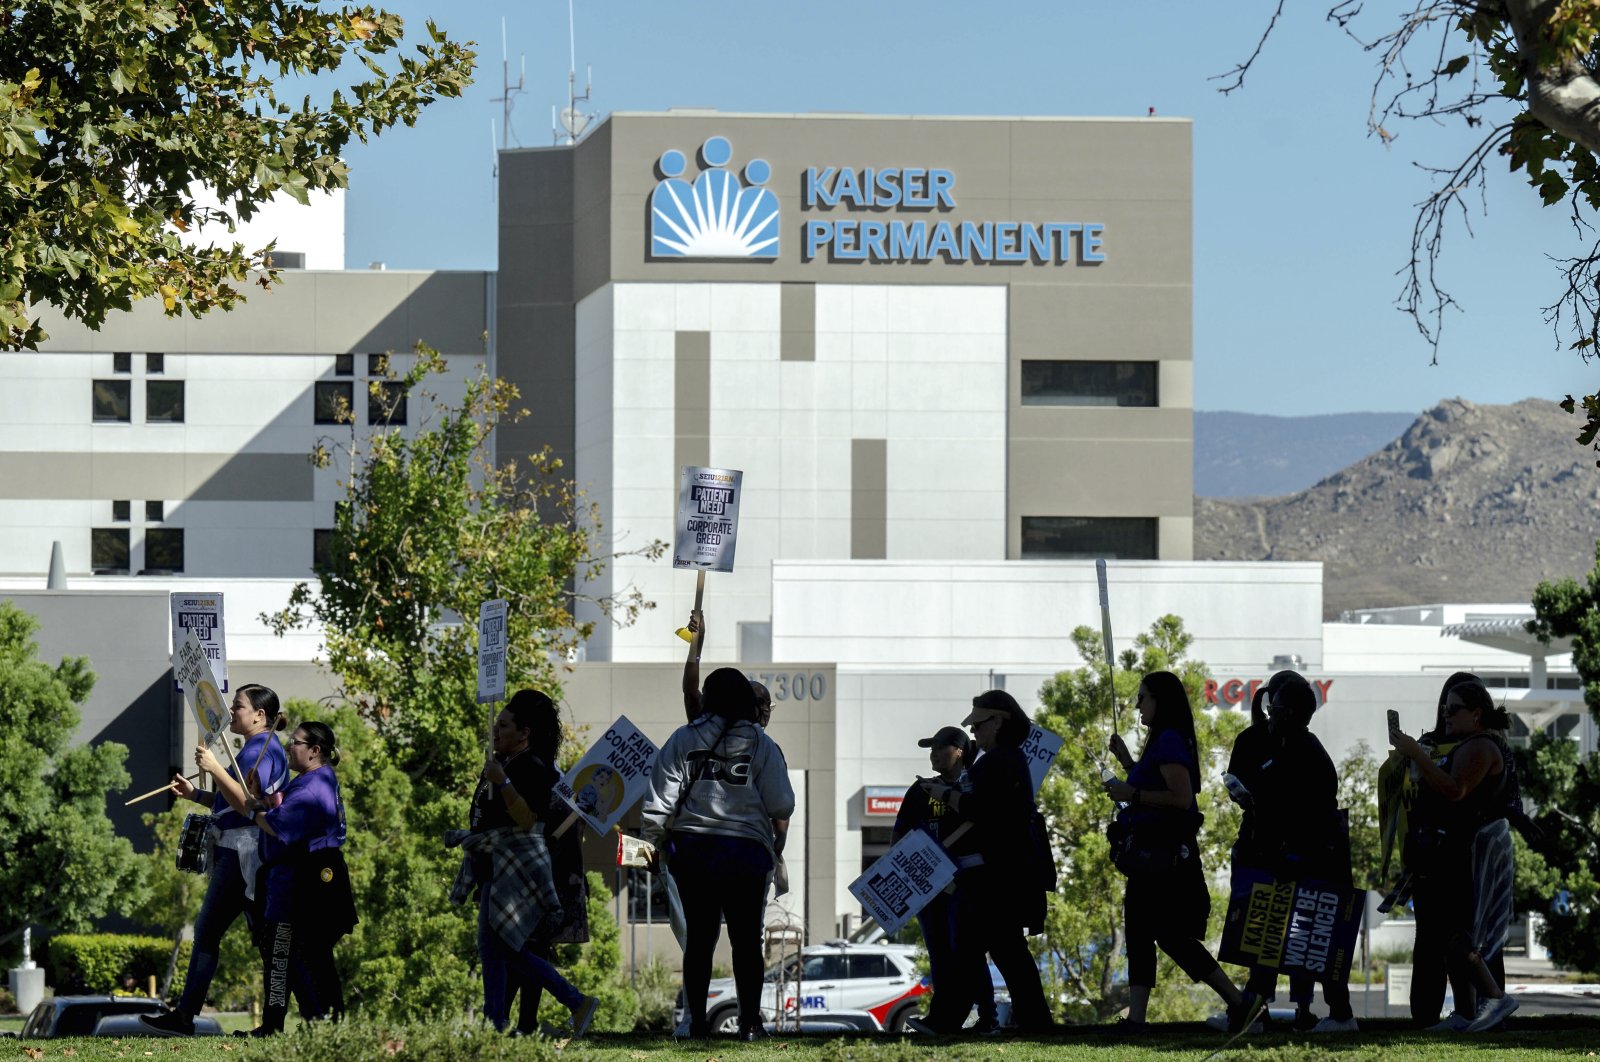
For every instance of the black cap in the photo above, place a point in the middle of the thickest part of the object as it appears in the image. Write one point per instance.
(953, 736)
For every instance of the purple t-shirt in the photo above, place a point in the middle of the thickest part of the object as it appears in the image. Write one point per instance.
(1168, 746)
(312, 811)
(263, 757)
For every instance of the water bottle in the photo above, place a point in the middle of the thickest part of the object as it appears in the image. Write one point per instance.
(1107, 776)
(1236, 790)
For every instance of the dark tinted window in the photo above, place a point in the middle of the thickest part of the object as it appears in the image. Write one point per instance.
(344, 364)
(1089, 537)
(872, 966)
(112, 400)
(1089, 383)
(334, 403)
(108, 549)
(121, 510)
(286, 260)
(824, 968)
(163, 401)
(377, 364)
(122, 361)
(155, 512)
(389, 405)
(163, 549)
(322, 548)
(155, 364)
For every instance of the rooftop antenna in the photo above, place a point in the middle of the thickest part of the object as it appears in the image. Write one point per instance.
(508, 92)
(571, 123)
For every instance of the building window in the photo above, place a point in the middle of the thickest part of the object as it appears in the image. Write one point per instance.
(1089, 537)
(121, 511)
(108, 550)
(112, 401)
(155, 364)
(1089, 383)
(344, 364)
(377, 364)
(322, 549)
(122, 361)
(388, 406)
(163, 549)
(155, 512)
(334, 402)
(163, 401)
(286, 260)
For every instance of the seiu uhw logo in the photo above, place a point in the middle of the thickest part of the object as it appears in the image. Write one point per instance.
(712, 501)
(704, 767)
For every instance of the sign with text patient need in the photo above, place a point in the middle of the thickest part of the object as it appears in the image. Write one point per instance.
(708, 518)
(612, 776)
(1304, 926)
(900, 884)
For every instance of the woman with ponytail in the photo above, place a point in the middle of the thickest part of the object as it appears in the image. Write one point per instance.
(254, 717)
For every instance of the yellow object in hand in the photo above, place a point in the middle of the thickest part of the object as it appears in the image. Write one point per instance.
(686, 634)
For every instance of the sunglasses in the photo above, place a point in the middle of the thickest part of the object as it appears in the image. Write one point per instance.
(1452, 709)
(308, 744)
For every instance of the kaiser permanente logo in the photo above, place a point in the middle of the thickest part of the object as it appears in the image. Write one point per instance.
(888, 214)
(718, 216)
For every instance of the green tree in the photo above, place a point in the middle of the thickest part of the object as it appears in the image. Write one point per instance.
(1084, 933)
(1358, 795)
(64, 865)
(431, 526)
(1563, 866)
(114, 114)
(1521, 80)
(1570, 609)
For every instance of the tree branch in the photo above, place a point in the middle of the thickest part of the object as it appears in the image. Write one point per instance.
(1562, 94)
(1238, 72)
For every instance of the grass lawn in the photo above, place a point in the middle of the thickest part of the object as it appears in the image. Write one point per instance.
(1526, 1040)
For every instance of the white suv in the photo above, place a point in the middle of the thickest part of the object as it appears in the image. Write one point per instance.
(881, 979)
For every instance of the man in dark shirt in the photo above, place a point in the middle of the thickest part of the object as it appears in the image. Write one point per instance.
(948, 751)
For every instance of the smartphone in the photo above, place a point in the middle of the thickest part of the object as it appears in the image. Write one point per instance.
(1394, 719)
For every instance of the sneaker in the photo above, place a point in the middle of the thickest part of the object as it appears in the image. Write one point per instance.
(1454, 1023)
(754, 1033)
(1246, 1017)
(1305, 1020)
(584, 1015)
(170, 1023)
(1336, 1025)
(919, 1025)
(1492, 1012)
(688, 1031)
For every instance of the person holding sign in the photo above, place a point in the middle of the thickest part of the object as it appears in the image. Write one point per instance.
(1293, 830)
(512, 800)
(1166, 901)
(255, 717)
(948, 750)
(309, 905)
(1002, 899)
(718, 811)
(691, 677)
(1463, 795)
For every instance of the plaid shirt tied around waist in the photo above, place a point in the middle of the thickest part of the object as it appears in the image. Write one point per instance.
(520, 895)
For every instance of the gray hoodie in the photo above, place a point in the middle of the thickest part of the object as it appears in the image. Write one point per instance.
(736, 778)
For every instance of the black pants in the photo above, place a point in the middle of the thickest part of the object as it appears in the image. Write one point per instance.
(710, 897)
(1445, 909)
(1169, 911)
(989, 921)
(953, 986)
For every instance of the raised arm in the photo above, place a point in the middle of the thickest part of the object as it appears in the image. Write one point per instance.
(691, 666)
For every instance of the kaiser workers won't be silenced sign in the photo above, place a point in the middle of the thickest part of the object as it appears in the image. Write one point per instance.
(708, 518)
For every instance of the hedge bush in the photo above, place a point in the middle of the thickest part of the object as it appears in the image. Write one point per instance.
(96, 962)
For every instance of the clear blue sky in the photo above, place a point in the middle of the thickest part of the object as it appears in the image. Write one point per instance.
(1301, 220)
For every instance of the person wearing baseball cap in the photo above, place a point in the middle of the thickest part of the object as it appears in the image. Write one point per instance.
(1003, 899)
(948, 750)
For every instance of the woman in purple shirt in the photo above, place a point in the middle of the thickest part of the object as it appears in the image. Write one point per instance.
(308, 901)
(254, 716)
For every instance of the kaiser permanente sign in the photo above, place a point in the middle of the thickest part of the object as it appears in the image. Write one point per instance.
(724, 211)
(923, 240)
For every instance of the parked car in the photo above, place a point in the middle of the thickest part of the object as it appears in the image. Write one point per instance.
(100, 1016)
(837, 980)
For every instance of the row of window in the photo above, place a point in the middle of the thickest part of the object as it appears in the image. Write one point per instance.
(163, 402)
(1090, 383)
(122, 363)
(154, 512)
(1089, 537)
(110, 550)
